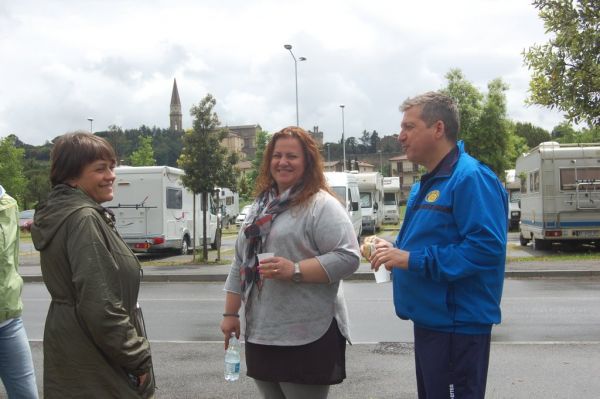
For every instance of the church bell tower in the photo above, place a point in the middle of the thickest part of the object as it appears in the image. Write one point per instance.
(175, 115)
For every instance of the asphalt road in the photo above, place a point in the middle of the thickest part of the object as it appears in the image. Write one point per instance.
(534, 310)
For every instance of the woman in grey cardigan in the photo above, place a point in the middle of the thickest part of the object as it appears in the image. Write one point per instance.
(296, 323)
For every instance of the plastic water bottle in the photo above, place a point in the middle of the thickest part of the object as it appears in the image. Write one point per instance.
(232, 359)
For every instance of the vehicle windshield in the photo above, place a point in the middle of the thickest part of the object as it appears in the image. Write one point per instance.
(389, 199)
(365, 200)
(340, 192)
(28, 214)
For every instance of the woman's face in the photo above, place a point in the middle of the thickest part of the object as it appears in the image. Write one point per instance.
(287, 163)
(97, 180)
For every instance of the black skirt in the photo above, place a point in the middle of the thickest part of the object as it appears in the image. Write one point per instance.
(322, 362)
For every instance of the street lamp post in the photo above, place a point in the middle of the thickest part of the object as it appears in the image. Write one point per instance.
(289, 48)
(380, 163)
(343, 141)
(91, 121)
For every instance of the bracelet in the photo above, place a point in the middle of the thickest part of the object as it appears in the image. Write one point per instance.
(231, 315)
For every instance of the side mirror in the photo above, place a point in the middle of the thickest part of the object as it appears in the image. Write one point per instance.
(375, 206)
(355, 206)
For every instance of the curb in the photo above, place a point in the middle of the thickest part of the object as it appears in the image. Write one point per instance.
(211, 278)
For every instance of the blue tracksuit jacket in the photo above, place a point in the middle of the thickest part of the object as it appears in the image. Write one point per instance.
(455, 230)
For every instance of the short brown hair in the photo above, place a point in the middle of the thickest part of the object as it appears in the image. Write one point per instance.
(436, 106)
(313, 179)
(74, 151)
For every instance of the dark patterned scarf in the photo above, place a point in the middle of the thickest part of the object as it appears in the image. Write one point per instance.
(269, 206)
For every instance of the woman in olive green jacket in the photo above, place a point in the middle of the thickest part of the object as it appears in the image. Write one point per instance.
(94, 338)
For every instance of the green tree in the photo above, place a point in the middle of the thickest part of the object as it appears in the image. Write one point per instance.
(375, 140)
(533, 135)
(144, 155)
(469, 99)
(485, 127)
(262, 139)
(11, 168)
(566, 70)
(517, 145)
(206, 163)
(564, 133)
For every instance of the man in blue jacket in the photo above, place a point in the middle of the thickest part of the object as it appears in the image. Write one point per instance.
(448, 259)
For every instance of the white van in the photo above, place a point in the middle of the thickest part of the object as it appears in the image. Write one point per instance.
(513, 188)
(560, 194)
(391, 199)
(370, 187)
(154, 211)
(229, 205)
(345, 186)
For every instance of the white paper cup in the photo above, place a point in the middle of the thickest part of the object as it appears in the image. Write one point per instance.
(265, 255)
(382, 275)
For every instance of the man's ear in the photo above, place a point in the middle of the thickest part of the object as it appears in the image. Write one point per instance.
(440, 130)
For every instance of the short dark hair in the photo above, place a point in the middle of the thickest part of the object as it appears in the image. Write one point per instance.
(436, 106)
(74, 151)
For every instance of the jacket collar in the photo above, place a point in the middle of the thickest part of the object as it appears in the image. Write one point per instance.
(446, 165)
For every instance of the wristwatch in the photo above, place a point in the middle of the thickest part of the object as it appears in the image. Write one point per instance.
(297, 276)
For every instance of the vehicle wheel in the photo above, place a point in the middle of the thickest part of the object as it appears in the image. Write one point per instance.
(522, 240)
(541, 245)
(185, 246)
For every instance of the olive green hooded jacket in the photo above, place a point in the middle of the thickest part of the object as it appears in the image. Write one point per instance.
(94, 339)
(11, 282)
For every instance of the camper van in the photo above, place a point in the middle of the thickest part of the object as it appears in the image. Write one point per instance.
(370, 186)
(154, 211)
(344, 185)
(229, 205)
(513, 189)
(391, 199)
(560, 194)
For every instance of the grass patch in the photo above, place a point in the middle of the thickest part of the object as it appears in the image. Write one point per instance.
(25, 236)
(174, 263)
(554, 257)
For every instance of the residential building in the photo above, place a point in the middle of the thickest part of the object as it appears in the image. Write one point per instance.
(408, 172)
(248, 134)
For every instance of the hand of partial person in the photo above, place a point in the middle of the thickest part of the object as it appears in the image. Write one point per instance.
(142, 378)
(371, 244)
(277, 268)
(230, 324)
(390, 257)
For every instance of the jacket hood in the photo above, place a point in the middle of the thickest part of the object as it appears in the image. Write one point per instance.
(49, 215)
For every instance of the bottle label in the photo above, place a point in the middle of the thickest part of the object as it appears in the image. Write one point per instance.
(232, 368)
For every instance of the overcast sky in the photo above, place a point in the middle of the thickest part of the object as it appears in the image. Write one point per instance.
(114, 61)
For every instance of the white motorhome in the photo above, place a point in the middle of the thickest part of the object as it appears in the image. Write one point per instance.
(513, 188)
(344, 185)
(229, 204)
(370, 186)
(391, 199)
(154, 211)
(560, 194)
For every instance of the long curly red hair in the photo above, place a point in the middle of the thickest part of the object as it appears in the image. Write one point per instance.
(313, 179)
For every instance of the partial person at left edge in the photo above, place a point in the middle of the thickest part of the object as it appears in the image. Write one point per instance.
(95, 344)
(16, 364)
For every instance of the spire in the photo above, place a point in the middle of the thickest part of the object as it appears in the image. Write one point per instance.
(175, 116)
(175, 95)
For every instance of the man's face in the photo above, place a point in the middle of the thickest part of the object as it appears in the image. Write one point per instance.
(417, 139)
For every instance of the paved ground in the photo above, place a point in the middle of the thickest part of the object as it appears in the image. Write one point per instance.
(382, 371)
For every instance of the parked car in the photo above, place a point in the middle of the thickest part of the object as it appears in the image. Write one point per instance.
(242, 216)
(26, 219)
